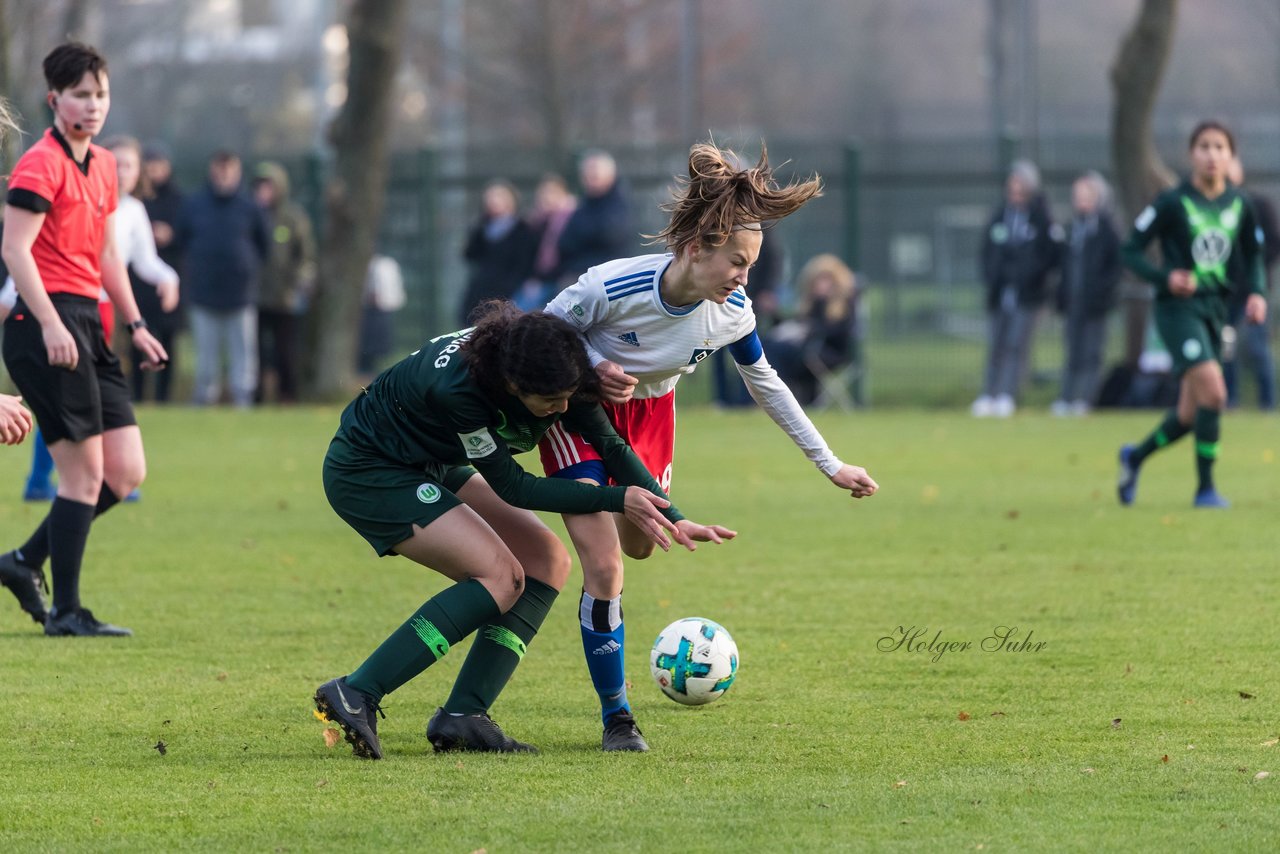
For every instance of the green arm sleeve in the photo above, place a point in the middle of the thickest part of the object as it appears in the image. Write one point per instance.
(1148, 224)
(620, 461)
(491, 457)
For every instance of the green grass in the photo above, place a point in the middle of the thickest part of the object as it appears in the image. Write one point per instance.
(246, 592)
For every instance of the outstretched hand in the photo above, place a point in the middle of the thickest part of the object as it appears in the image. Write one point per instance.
(856, 480)
(690, 532)
(644, 510)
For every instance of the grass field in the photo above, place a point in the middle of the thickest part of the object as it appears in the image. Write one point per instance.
(1142, 723)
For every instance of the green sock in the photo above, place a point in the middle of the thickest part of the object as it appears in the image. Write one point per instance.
(1208, 429)
(498, 649)
(1170, 430)
(442, 621)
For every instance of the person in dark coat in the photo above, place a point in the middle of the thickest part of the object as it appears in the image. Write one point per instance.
(1091, 270)
(1253, 340)
(499, 250)
(223, 236)
(163, 200)
(600, 229)
(1018, 252)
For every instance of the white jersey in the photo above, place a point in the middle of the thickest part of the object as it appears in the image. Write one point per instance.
(618, 309)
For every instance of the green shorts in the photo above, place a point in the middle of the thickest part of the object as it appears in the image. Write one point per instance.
(1191, 330)
(383, 499)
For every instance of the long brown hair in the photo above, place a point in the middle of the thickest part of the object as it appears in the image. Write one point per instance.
(844, 286)
(537, 353)
(719, 195)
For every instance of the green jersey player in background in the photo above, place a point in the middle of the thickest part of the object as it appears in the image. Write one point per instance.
(422, 466)
(1200, 224)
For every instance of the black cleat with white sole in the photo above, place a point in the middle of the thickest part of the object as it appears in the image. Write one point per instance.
(80, 623)
(479, 733)
(621, 733)
(354, 713)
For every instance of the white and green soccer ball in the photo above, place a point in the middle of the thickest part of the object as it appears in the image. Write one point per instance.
(694, 661)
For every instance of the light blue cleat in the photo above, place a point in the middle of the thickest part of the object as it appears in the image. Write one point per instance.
(1210, 499)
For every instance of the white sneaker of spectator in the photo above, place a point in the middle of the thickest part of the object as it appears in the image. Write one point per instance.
(1060, 409)
(1003, 406)
(983, 407)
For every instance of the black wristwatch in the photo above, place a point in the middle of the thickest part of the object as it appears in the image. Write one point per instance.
(136, 325)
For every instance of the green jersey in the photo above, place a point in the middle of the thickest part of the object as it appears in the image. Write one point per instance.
(427, 412)
(1201, 235)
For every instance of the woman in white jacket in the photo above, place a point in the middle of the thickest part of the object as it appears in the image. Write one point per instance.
(136, 246)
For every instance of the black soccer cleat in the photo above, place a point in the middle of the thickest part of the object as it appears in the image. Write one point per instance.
(80, 623)
(472, 733)
(355, 713)
(25, 584)
(621, 733)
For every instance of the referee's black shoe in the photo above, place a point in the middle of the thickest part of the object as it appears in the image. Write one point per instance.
(355, 713)
(25, 583)
(621, 733)
(80, 622)
(471, 732)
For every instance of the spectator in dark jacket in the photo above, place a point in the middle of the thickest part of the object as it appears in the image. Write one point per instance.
(1253, 340)
(1017, 254)
(1087, 292)
(287, 279)
(224, 241)
(600, 229)
(163, 201)
(499, 250)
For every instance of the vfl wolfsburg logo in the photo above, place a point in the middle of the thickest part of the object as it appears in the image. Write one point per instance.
(1211, 247)
(428, 493)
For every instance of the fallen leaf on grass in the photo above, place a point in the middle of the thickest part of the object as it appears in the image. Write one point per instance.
(998, 714)
(1115, 723)
(320, 784)
(161, 748)
(1087, 770)
(1245, 695)
(1271, 742)
(1262, 775)
(1164, 758)
(321, 718)
(963, 716)
(1012, 514)
(222, 677)
(331, 737)
(900, 784)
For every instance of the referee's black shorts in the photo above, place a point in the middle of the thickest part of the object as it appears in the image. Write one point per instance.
(67, 404)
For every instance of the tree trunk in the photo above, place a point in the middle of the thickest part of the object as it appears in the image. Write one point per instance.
(1139, 172)
(355, 191)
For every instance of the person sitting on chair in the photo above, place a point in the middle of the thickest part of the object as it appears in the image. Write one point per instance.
(822, 337)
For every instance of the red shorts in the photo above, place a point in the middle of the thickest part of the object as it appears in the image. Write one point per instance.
(648, 426)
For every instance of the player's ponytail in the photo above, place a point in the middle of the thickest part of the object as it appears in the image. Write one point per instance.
(538, 353)
(720, 195)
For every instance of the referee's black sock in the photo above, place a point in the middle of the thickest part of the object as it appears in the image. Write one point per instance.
(35, 551)
(69, 523)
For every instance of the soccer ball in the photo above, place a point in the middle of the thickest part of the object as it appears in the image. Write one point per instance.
(694, 661)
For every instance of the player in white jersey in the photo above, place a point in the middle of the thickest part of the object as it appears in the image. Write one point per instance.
(647, 321)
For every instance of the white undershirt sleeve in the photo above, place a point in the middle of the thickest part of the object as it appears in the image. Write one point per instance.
(768, 390)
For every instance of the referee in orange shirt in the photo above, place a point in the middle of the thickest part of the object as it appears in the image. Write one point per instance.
(60, 248)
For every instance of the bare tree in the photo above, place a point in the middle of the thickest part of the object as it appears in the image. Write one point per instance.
(356, 189)
(1139, 171)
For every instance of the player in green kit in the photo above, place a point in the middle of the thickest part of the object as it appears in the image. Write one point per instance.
(422, 466)
(1200, 224)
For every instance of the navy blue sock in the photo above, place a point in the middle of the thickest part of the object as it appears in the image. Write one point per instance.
(603, 642)
(41, 463)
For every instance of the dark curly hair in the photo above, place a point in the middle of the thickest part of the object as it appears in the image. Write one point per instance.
(538, 353)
